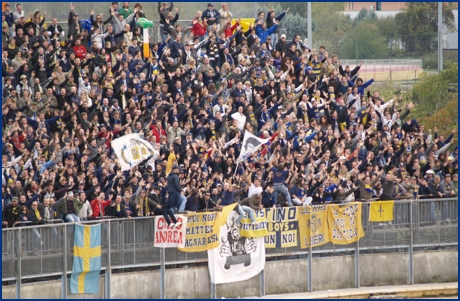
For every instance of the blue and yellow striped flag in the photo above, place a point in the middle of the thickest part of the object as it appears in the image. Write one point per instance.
(86, 260)
(381, 211)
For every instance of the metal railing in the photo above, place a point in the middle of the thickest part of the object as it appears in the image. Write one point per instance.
(31, 252)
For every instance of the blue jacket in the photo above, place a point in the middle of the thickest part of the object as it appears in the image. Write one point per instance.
(263, 34)
(211, 14)
(48, 123)
(364, 86)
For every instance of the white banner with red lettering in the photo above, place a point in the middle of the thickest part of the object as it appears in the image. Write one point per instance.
(170, 237)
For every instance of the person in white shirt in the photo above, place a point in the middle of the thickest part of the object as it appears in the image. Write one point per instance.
(254, 187)
(379, 107)
(240, 118)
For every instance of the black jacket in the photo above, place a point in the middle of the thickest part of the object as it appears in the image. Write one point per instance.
(10, 214)
(112, 211)
(173, 183)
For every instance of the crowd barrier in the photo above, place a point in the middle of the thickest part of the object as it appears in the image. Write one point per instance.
(31, 252)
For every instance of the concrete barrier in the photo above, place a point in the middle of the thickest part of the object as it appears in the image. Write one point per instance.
(281, 277)
(435, 266)
(384, 269)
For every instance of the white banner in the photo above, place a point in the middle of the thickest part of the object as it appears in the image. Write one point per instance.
(251, 144)
(237, 258)
(131, 150)
(170, 237)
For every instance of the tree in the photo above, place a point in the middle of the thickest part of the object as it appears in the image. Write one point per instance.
(365, 15)
(294, 7)
(365, 42)
(431, 94)
(331, 25)
(294, 24)
(388, 28)
(418, 25)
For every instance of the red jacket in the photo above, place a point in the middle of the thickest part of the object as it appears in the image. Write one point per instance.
(96, 209)
(199, 28)
(80, 51)
(157, 133)
(229, 30)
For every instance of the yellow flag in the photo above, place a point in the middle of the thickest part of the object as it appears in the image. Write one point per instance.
(381, 211)
(344, 223)
(245, 23)
(313, 227)
(169, 165)
(222, 218)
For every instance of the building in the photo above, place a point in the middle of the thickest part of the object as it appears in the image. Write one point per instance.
(378, 6)
(389, 9)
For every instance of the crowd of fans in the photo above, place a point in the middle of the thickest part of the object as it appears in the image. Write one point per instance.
(67, 95)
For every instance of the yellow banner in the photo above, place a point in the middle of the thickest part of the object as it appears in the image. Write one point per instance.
(245, 23)
(258, 229)
(202, 231)
(345, 223)
(282, 224)
(313, 228)
(381, 211)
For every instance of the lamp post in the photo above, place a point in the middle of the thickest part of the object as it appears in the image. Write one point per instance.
(310, 38)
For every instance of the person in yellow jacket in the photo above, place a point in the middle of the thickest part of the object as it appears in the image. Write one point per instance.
(316, 64)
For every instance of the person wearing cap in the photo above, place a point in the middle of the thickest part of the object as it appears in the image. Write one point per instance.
(212, 15)
(282, 45)
(69, 206)
(174, 191)
(23, 85)
(10, 214)
(72, 23)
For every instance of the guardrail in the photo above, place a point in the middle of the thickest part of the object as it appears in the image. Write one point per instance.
(38, 251)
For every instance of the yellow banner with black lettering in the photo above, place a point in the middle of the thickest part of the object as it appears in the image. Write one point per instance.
(282, 226)
(381, 211)
(202, 231)
(253, 230)
(345, 223)
(313, 227)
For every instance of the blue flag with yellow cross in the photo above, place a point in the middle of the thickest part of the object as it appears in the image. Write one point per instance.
(86, 259)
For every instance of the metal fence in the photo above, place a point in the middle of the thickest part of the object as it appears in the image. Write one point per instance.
(39, 251)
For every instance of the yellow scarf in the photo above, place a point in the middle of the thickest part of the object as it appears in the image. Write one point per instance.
(37, 214)
(141, 207)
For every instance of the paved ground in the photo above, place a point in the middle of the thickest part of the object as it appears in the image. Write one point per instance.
(431, 290)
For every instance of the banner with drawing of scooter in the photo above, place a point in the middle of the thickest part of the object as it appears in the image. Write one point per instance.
(236, 258)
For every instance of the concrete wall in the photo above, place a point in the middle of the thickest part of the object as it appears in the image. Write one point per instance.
(435, 266)
(384, 269)
(333, 273)
(286, 277)
(280, 277)
(49, 290)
